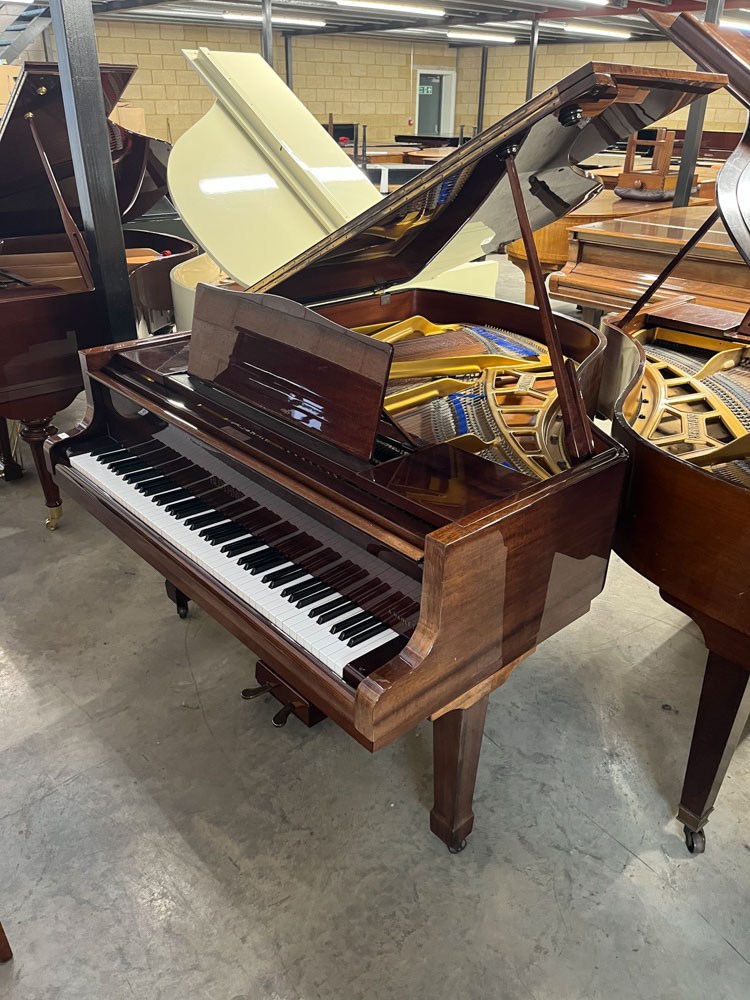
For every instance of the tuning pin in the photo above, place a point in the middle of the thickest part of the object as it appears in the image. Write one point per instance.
(280, 718)
(250, 693)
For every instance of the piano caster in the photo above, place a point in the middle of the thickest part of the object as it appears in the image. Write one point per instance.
(457, 848)
(53, 516)
(181, 600)
(280, 719)
(250, 694)
(695, 840)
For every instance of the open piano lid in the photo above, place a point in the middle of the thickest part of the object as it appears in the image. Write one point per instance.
(721, 50)
(390, 243)
(27, 204)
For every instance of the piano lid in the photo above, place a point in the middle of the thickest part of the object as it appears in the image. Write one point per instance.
(257, 180)
(721, 50)
(27, 204)
(585, 113)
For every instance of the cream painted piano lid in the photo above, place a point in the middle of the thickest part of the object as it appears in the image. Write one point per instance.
(258, 180)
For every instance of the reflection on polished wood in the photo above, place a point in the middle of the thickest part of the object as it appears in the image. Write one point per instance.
(612, 263)
(48, 308)
(683, 366)
(552, 241)
(279, 458)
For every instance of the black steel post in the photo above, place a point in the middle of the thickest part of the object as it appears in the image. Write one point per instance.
(266, 32)
(288, 61)
(482, 88)
(533, 43)
(694, 131)
(75, 41)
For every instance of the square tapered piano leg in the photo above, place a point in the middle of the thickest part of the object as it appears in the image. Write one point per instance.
(5, 953)
(456, 745)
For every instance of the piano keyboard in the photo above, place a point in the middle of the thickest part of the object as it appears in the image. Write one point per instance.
(299, 591)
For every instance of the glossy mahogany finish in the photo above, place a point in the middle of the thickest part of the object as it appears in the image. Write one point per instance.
(681, 526)
(502, 560)
(578, 117)
(513, 561)
(286, 360)
(44, 324)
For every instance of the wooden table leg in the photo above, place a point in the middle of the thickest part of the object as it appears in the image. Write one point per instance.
(723, 710)
(5, 953)
(457, 742)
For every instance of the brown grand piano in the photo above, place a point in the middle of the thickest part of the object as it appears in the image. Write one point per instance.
(684, 416)
(47, 304)
(611, 263)
(391, 496)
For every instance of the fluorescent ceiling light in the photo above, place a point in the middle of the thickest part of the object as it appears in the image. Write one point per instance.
(737, 25)
(558, 25)
(589, 29)
(308, 22)
(394, 8)
(471, 36)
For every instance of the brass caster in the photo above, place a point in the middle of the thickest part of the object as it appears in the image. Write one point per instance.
(53, 516)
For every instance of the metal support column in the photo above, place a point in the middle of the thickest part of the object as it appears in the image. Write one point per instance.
(533, 43)
(288, 61)
(73, 25)
(694, 131)
(266, 32)
(482, 88)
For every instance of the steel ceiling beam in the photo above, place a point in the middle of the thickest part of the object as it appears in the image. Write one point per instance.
(425, 22)
(109, 6)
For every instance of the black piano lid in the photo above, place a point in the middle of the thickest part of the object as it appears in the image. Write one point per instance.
(579, 117)
(27, 205)
(721, 50)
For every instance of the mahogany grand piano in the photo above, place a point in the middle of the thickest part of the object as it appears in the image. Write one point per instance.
(678, 384)
(392, 497)
(47, 301)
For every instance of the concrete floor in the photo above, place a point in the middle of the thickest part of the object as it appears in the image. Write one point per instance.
(160, 840)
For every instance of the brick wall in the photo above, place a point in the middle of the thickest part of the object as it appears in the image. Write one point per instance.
(364, 80)
(506, 77)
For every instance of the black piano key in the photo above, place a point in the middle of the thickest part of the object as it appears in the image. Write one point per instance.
(171, 496)
(314, 597)
(141, 476)
(127, 465)
(184, 508)
(274, 559)
(154, 486)
(275, 532)
(362, 626)
(368, 634)
(243, 545)
(230, 533)
(337, 608)
(297, 590)
(109, 456)
(340, 625)
(255, 558)
(333, 605)
(282, 576)
(212, 531)
(202, 520)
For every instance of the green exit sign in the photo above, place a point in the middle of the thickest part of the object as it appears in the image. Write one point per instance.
(425, 88)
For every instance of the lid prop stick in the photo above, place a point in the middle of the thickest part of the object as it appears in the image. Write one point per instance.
(579, 440)
(75, 238)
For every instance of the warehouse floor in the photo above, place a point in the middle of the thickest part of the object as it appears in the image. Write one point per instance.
(160, 840)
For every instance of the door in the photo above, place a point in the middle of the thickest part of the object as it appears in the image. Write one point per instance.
(430, 103)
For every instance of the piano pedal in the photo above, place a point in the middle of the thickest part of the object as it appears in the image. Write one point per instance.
(181, 600)
(293, 703)
(250, 694)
